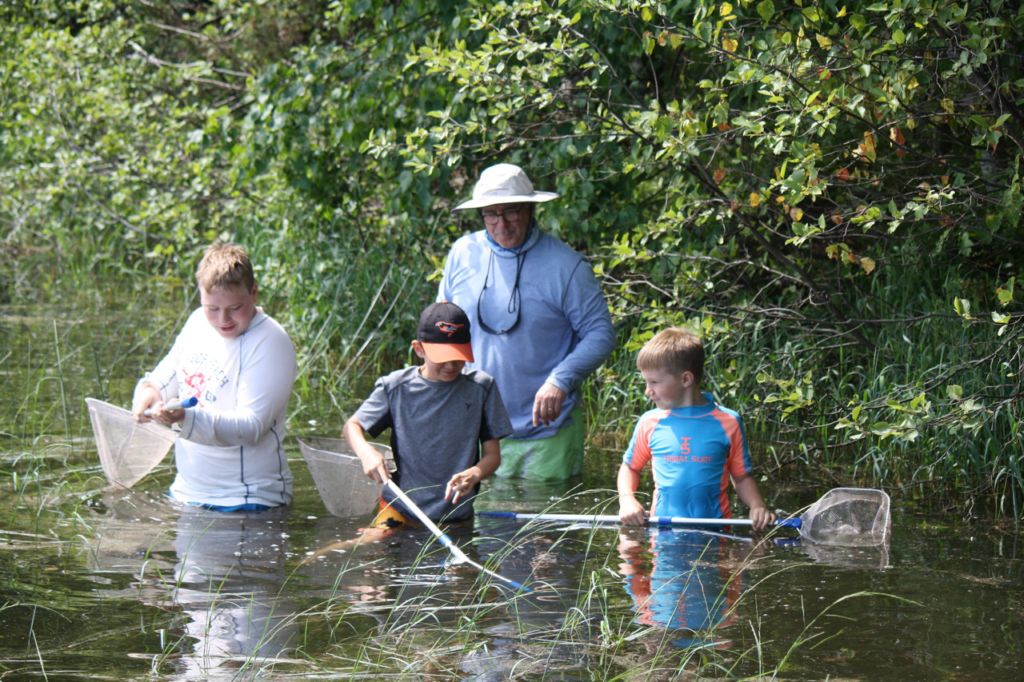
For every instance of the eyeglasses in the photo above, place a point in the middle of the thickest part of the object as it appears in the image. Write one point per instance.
(509, 214)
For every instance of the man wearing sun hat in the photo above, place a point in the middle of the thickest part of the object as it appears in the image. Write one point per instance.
(445, 424)
(541, 324)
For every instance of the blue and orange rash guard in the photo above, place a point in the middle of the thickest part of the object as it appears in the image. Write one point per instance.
(693, 451)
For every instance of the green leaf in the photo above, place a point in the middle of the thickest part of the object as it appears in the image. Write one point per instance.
(1000, 318)
(954, 391)
(899, 37)
(766, 9)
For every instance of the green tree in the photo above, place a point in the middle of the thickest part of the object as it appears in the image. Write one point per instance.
(829, 191)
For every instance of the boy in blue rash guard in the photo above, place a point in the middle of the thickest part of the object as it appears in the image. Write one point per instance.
(695, 446)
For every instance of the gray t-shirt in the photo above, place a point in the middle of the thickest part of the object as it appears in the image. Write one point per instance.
(436, 431)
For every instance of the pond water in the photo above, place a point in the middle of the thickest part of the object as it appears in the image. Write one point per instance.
(98, 583)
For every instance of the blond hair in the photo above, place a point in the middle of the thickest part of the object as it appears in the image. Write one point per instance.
(223, 266)
(675, 351)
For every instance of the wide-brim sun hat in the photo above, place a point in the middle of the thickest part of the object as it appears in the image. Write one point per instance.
(504, 183)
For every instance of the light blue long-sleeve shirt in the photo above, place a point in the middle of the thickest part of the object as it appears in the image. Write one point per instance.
(564, 332)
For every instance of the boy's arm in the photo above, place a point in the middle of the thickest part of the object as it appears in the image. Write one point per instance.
(750, 495)
(463, 482)
(148, 392)
(631, 512)
(374, 465)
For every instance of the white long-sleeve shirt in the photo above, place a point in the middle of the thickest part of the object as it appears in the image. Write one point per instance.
(230, 450)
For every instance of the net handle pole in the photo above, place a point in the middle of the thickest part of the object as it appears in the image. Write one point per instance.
(651, 520)
(460, 556)
(176, 404)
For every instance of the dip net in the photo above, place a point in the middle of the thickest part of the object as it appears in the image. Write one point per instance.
(849, 517)
(128, 450)
(339, 478)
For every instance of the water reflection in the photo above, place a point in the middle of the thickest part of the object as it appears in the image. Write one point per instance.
(232, 617)
(683, 580)
(402, 588)
(857, 558)
(345, 566)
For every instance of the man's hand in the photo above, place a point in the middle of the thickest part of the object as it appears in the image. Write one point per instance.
(547, 404)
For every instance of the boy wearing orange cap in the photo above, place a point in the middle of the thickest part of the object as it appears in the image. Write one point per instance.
(445, 423)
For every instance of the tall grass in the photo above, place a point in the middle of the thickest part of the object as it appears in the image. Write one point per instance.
(582, 624)
(350, 297)
(932, 408)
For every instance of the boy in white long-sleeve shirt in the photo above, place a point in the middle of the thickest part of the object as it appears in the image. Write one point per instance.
(240, 364)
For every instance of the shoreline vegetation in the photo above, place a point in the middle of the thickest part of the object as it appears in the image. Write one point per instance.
(830, 195)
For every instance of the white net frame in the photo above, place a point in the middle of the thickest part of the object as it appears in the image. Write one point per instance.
(850, 517)
(338, 474)
(128, 450)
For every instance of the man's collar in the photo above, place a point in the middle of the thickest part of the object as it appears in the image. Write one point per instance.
(531, 239)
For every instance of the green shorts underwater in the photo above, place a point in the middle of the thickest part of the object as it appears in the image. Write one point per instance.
(546, 459)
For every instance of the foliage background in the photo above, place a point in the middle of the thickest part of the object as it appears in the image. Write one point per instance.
(828, 191)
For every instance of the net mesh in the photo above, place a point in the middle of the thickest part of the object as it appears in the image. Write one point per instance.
(128, 450)
(849, 517)
(338, 475)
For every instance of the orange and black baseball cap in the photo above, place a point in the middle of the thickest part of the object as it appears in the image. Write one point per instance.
(444, 333)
